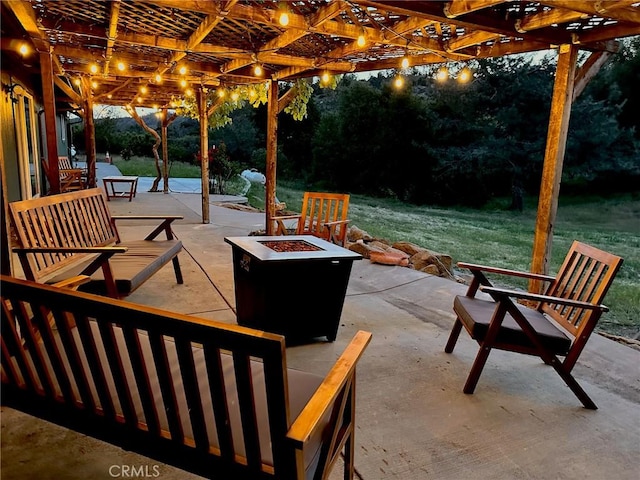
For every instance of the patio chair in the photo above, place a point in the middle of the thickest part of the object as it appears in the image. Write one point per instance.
(70, 179)
(324, 215)
(558, 323)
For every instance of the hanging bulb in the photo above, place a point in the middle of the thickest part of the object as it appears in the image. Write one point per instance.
(121, 66)
(326, 78)
(442, 74)
(257, 70)
(23, 49)
(143, 90)
(464, 76)
(183, 83)
(362, 41)
(405, 62)
(93, 68)
(182, 70)
(158, 78)
(398, 82)
(283, 18)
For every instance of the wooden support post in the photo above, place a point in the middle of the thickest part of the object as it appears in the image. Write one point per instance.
(553, 160)
(165, 151)
(89, 133)
(49, 106)
(272, 153)
(204, 152)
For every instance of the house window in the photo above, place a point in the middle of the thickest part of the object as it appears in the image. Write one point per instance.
(27, 142)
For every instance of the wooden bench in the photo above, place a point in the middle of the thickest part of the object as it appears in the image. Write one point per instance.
(61, 236)
(214, 399)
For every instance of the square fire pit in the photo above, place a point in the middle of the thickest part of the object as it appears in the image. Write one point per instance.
(293, 285)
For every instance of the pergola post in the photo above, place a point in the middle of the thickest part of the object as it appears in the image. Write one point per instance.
(165, 149)
(204, 152)
(272, 153)
(49, 106)
(553, 161)
(89, 132)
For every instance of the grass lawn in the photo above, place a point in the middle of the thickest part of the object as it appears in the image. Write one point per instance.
(491, 236)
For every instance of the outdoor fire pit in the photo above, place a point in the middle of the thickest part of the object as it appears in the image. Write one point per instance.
(292, 285)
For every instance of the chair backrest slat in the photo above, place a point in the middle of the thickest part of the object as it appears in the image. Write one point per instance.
(585, 275)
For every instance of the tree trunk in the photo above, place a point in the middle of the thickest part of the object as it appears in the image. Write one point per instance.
(151, 131)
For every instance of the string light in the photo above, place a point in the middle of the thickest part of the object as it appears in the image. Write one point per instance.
(77, 82)
(398, 82)
(283, 16)
(183, 83)
(188, 92)
(121, 66)
(93, 68)
(235, 96)
(139, 99)
(257, 70)
(143, 90)
(94, 84)
(405, 62)
(221, 92)
(464, 76)
(325, 78)
(182, 70)
(158, 78)
(24, 49)
(362, 41)
(442, 74)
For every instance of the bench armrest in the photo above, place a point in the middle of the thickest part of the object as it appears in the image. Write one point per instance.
(147, 217)
(340, 376)
(165, 225)
(503, 271)
(497, 292)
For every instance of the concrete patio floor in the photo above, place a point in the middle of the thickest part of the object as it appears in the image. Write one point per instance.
(413, 421)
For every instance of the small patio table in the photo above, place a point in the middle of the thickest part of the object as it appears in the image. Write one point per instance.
(130, 184)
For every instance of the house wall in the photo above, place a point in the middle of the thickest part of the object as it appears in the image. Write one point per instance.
(10, 170)
(8, 146)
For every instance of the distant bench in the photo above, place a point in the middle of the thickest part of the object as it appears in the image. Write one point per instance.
(214, 399)
(61, 236)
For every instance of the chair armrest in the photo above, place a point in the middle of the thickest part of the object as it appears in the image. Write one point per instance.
(337, 222)
(503, 271)
(111, 250)
(286, 217)
(322, 400)
(542, 298)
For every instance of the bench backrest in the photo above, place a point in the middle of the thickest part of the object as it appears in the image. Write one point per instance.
(70, 354)
(74, 220)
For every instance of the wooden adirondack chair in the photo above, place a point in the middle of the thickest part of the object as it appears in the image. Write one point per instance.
(324, 215)
(559, 325)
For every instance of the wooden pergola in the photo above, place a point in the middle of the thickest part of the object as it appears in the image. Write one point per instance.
(144, 53)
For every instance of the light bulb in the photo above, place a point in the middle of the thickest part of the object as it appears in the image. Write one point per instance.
(93, 68)
(182, 70)
(464, 76)
(442, 74)
(121, 66)
(158, 78)
(183, 83)
(143, 90)
(257, 70)
(398, 82)
(23, 49)
(361, 40)
(405, 62)
(283, 19)
(326, 77)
